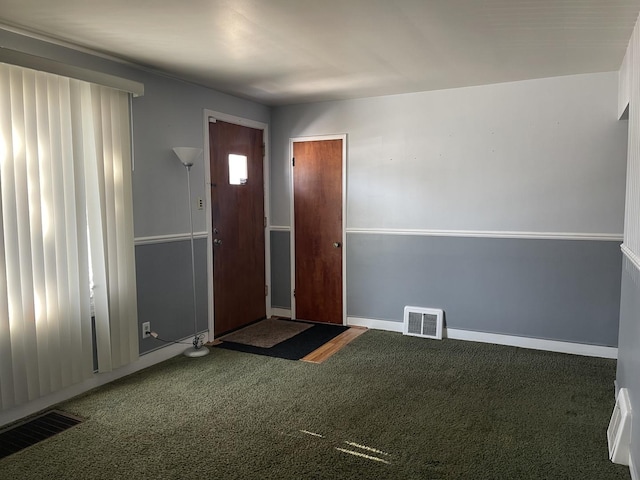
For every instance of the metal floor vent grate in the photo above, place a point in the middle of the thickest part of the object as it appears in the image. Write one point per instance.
(423, 322)
(35, 430)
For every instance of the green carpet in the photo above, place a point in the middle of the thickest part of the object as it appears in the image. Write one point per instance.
(424, 409)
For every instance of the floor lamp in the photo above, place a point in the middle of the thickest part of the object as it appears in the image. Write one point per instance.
(187, 156)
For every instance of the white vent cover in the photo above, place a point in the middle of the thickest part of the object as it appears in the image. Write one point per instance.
(619, 431)
(423, 322)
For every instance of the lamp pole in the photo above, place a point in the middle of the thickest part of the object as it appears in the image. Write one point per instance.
(187, 156)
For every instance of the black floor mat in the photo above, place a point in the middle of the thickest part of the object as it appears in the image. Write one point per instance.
(296, 347)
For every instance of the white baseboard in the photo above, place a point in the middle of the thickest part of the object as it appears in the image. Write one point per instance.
(535, 343)
(375, 324)
(281, 312)
(499, 339)
(98, 379)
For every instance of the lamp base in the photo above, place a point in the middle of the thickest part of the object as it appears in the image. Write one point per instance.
(196, 352)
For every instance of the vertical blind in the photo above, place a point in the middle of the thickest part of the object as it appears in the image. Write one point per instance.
(632, 200)
(65, 214)
(629, 98)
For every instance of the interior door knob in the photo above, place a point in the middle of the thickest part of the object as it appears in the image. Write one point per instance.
(217, 242)
(337, 244)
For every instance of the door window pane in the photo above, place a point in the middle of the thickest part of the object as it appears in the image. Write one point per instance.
(237, 169)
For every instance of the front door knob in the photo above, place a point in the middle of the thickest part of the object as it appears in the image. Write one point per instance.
(337, 244)
(217, 242)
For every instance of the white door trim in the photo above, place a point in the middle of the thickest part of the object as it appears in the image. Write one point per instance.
(343, 137)
(212, 116)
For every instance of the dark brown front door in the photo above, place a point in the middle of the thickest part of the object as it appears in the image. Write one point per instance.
(237, 220)
(317, 190)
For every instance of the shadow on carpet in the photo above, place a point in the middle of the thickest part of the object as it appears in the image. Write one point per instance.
(293, 348)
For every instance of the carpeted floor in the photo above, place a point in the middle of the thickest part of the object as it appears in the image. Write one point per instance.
(384, 407)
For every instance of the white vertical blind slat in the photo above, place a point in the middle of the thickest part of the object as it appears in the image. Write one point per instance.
(7, 383)
(82, 307)
(18, 330)
(73, 370)
(632, 162)
(632, 209)
(122, 116)
(105, 155)
(633, 179)
(51, 159)
(37, 180)
(632, 199)
(94, 179)
(28, 230)
(124, 220)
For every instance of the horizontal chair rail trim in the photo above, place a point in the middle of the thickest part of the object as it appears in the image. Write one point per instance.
(498, 339)
(608, 237)
(174, 237)
(279, 228)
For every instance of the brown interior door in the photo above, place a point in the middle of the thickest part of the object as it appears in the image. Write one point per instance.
(237, 215)
(317, 191)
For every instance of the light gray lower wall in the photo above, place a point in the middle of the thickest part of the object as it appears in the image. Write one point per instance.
(165, 294)
(281, 269)
(628, 352)
(550, 289)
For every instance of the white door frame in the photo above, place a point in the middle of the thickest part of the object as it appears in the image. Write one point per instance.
(209, 117)
(342, 137)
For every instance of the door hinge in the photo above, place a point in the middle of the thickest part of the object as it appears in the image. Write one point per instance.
(265, 222)
(264, 149)
(293, 161)
(294, 292)
(266, 290)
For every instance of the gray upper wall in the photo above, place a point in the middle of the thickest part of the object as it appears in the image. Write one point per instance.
(170, 114)
(543, 155)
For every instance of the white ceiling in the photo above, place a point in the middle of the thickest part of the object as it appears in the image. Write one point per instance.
(292, 51)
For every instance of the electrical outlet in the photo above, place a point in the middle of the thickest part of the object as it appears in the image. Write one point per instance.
(200, 204)
(146, 330)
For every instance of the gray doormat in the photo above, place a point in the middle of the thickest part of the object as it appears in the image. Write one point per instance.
(267, 333)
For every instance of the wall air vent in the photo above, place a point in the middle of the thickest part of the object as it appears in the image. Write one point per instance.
(619, 431)
(423, 322)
